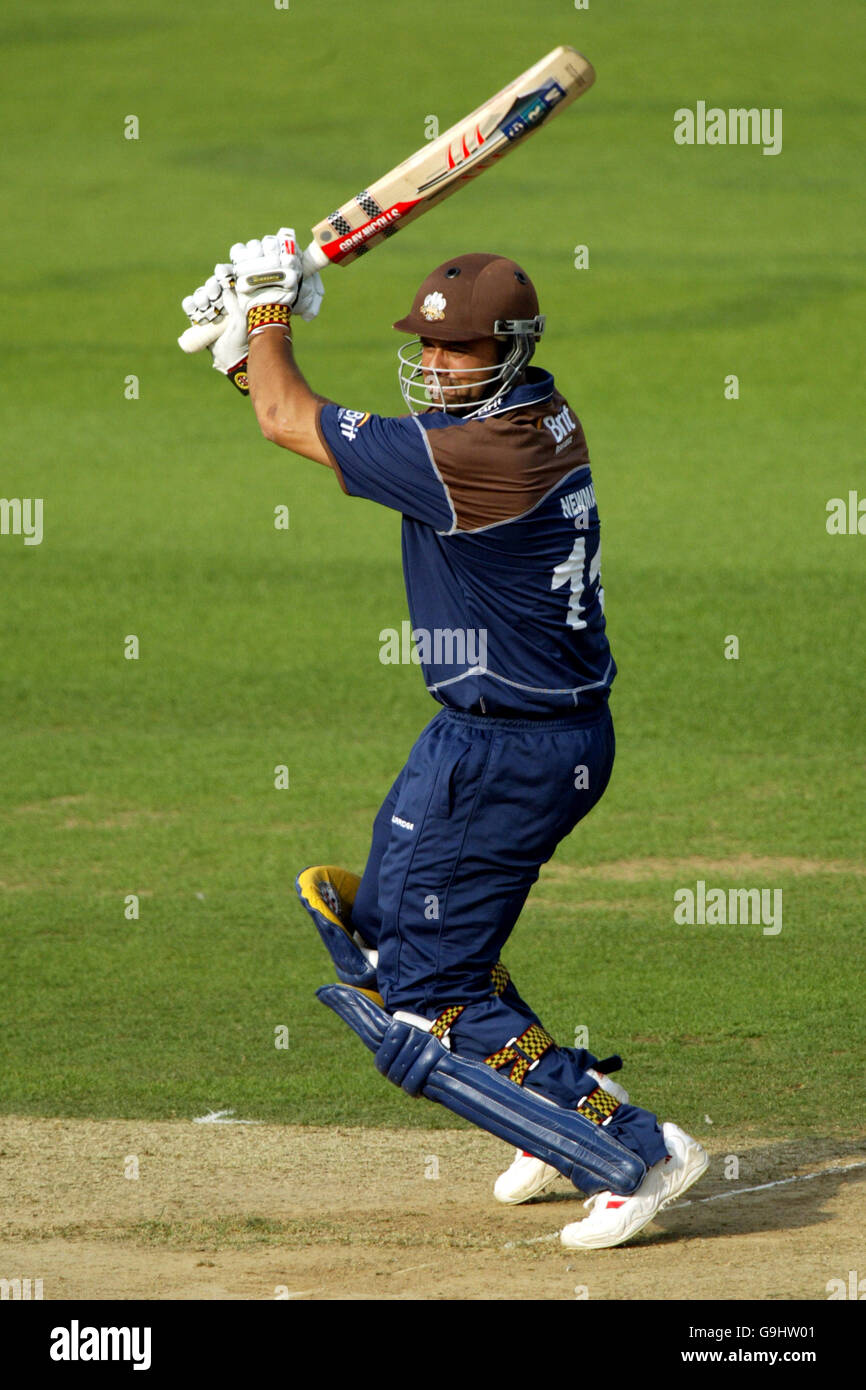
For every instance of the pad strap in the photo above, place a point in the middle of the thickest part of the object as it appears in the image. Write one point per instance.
(442, 1025)
(524, 1052)
(500, 980)
(599, 1106)
(413, 1058)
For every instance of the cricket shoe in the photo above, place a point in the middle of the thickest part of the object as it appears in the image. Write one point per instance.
(529, 1176)
(613, 1220)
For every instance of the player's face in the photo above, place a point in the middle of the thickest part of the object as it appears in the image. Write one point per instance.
(448, 387)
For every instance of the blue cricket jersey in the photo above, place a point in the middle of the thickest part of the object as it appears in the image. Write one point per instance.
(501, 547)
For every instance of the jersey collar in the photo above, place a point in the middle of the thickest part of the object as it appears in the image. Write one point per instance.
(537, 387)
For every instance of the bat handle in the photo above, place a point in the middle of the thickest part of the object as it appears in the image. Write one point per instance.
(314, 259)
(201, 335)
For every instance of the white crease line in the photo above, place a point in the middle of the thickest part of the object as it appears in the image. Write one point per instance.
(697, 1201)
(780, 1182)
(222, 1117)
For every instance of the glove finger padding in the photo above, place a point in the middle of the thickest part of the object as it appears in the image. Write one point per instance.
(268, 271)
(271, 245)
(216, 301)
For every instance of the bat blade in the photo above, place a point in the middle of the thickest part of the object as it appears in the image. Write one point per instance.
(437, 170)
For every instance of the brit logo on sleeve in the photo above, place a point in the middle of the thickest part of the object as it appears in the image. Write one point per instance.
(350, 421)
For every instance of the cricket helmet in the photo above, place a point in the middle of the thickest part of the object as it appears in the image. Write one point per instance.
(465, 299)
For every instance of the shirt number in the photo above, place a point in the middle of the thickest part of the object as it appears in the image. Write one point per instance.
(572, 572)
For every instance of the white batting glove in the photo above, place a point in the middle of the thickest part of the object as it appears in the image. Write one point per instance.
(310, 297)
(271, 271)
(216, 300)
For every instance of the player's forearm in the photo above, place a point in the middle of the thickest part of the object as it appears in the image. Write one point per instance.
(286, 408)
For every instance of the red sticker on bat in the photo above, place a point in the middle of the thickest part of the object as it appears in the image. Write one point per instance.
(337, 250)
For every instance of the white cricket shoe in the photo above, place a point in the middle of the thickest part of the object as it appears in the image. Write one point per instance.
(526, 1178)
(529, 1176)
(613, 1220)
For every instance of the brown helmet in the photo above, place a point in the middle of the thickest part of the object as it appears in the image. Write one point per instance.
(474, 296)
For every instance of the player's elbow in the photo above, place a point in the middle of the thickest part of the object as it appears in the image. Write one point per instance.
(273, 426)
(297, 440)
(270, 431)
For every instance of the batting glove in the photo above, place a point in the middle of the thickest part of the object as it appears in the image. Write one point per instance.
(271, 271)
(216, 300)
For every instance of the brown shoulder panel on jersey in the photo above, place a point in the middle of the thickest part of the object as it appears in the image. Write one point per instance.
(499, 468)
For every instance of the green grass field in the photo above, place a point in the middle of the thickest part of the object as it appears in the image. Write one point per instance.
(260, 647)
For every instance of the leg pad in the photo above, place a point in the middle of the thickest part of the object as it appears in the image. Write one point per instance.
(328, 894)
(585, 1153)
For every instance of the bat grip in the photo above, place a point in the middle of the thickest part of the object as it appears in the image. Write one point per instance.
(200, 335)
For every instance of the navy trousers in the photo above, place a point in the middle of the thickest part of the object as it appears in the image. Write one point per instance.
(457, 844)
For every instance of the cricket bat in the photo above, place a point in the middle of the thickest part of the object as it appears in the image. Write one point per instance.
(437, 170)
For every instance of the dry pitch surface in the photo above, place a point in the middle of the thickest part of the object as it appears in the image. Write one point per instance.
(262, 1211)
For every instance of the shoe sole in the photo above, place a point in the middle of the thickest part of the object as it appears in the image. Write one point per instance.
(697, 1163)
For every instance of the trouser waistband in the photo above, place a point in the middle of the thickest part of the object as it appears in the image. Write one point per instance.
(578, 720)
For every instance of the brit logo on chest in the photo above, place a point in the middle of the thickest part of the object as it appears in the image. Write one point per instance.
(562, 426)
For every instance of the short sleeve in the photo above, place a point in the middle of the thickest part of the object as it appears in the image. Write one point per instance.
(387, 460)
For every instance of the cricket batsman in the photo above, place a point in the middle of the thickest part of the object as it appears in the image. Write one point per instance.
(501, 557)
